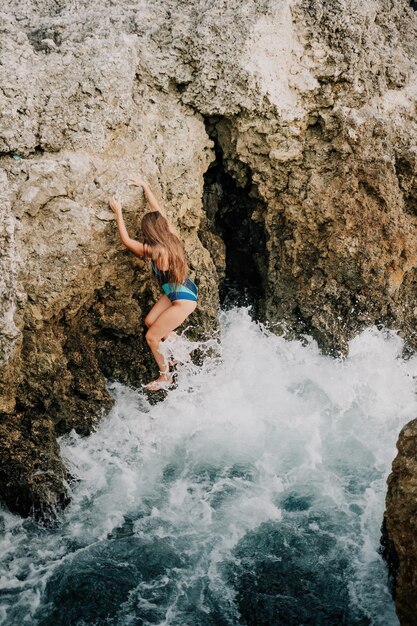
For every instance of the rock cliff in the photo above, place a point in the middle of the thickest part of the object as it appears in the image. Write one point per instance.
(400, 525)
(282, 132)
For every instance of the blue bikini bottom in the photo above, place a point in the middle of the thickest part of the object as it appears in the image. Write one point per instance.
(187, 291)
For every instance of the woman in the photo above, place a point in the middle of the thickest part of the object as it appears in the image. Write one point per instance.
(163, 246)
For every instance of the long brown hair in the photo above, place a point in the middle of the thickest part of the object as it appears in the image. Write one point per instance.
(162, 243)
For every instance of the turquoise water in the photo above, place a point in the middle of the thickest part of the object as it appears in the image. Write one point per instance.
(253, 494)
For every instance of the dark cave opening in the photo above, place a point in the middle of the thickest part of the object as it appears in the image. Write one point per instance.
(230, 208)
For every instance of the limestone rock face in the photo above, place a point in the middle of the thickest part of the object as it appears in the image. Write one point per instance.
(309, 108)
(73, 299)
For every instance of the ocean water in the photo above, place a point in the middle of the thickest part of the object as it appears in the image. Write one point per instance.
(253, 494)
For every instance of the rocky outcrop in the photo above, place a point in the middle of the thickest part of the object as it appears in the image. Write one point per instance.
(296, 116)
(73, 299)
(331, 166)
(401, 525)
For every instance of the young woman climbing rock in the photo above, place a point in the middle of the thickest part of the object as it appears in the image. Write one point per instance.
(161, 244)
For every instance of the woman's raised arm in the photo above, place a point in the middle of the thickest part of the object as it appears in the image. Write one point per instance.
(136, 246)
(150, 196)
(153, 202)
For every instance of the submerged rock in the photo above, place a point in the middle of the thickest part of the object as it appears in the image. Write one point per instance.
(309, 109)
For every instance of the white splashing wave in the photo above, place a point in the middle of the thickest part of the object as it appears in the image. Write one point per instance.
(261, 418)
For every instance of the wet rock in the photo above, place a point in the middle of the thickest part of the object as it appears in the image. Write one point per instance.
(401, 525)
(32, 476)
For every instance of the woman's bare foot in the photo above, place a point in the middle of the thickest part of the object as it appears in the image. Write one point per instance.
(163, 382)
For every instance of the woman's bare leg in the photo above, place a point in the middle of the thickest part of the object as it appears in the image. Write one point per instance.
(167, 321)
(159, 307)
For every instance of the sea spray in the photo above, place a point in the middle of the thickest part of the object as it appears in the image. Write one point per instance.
(253, 494)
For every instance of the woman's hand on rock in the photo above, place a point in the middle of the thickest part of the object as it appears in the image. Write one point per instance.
(136, 181)
(115, 205)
